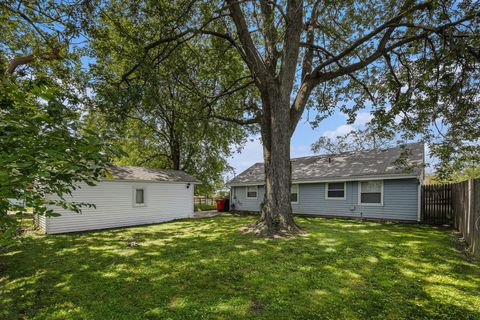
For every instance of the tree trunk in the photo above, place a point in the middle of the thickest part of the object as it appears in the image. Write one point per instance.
(175, 155)
(276, 213)
(175, 141)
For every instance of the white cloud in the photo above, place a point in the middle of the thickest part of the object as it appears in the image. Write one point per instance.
(339, 131)
(297, 151)
(398, 119)
(363, 118)
(250, 154)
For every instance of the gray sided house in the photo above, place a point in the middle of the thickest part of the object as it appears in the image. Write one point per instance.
(365, 184)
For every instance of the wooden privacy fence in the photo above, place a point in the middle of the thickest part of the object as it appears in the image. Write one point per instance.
(203, 200)
(466, 209)
(437, 203)
(457, 204)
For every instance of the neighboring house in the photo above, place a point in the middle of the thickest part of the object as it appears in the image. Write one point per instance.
(132, 196)
(364, 184)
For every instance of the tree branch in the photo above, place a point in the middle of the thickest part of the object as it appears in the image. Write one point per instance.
(382, 49)
(229, 39)
(253, 59)
(299, 103)
(270, 35)
(372, 34)
(23, 60)
(241, 122)
(310, 37)
(293, 30)
(154, 44)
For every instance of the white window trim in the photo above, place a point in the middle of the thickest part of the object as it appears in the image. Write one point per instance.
(246, 193)
(134, 196)
(336, 198)
(369, 204)
(298, 193)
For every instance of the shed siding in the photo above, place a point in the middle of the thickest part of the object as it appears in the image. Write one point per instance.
(42, 222)
(400, 201)
(115, 208)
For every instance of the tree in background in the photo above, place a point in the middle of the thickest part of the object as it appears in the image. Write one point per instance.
(167, 107)
(470, 172)
(44, 146)
(355, 140)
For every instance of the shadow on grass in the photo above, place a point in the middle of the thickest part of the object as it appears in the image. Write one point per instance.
(205, 268)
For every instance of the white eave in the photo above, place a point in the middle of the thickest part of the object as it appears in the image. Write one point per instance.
(333, 179)
(149, 181)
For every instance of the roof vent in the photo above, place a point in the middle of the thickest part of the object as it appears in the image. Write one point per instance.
(329, 160)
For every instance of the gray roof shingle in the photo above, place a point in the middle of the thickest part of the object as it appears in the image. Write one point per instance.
(149, 174)
(345, 165)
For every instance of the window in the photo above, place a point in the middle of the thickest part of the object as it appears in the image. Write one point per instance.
(371, 192)
(139, 197)
(252, 192)
(294, 193)
(335, 190)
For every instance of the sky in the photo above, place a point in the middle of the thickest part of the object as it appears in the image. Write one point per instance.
(302, 139)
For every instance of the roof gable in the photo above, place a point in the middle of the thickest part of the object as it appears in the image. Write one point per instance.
(346, 165)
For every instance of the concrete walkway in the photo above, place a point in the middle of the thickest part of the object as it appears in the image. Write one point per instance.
(202, 214)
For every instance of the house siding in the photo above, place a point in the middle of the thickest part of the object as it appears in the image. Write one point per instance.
(115, 207)
(400, 201)
(239, 199)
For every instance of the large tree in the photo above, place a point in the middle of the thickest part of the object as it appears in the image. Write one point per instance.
(340, 50)
(416, 61)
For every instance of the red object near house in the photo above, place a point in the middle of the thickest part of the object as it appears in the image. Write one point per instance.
(220, 205)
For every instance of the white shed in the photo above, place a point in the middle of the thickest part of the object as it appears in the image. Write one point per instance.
(133, 196)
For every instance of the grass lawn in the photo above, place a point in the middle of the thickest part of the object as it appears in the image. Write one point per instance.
(204, 268)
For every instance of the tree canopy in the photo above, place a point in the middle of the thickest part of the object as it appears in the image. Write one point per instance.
(45, 148)
(355, 140)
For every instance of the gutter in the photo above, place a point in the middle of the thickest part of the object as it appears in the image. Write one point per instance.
(146, 181)
(333, 179)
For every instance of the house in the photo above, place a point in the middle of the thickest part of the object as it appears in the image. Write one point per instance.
(131, 196)
(366, 184)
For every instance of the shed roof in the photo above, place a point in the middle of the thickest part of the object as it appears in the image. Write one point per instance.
(150, 174)
(345, 165)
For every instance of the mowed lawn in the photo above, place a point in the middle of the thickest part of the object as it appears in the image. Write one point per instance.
(206, 269)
